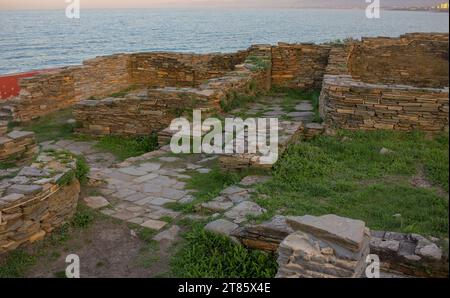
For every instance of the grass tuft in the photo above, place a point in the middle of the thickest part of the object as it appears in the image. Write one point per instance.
(206, 255)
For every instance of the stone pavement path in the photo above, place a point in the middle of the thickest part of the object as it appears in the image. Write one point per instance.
(138, 189)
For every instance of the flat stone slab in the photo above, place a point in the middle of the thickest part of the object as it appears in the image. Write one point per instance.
(304, 106)
(313, 125)
(204, 171)
(145, 178)
(132, 171)
(96, 202)
(24, 189)
(169, 235)
(222, 227)
(32, 172)
(347, 232)
(239, 197)
(149, 166)
(240, 212)
(169, 159)
(160, 201)
(301, 114)
(18, 134)
(11, 198)
(186, 200)
(274, 114)
(252, 180)
(233, 190)
(154, 224)
(217, 205)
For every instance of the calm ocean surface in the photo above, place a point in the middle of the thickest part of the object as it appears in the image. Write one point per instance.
(45, 39)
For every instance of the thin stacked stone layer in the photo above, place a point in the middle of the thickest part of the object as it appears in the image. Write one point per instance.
(40, 198)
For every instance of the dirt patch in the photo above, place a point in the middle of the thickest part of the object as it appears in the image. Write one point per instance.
(421, 181)
(107, 249)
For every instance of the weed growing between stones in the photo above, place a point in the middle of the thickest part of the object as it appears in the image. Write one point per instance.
(206, 255)
(235, 100)
(52, 127)
(258, 63)
(292, 96)
(123, 147)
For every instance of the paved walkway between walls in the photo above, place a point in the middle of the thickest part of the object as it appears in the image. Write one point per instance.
(139, 189)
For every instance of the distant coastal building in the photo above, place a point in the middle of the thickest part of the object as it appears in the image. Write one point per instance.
(442, 6)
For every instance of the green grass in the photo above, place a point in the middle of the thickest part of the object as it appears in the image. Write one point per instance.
(291, 98)
(53, 126)
(123, 92)
(258, 63)
(352, 179)
(209, 186)
(149, 254)
(126, 147)
(235, 100)
(206, 255)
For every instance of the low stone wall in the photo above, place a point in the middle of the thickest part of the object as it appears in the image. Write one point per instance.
(404, 254)
(150, 110)
(39, 199)
(17, 147)
(349, 102)
(299, 65)
(101, 76)
(418, 59)
(324, 247)
(162, 69)
(61, 88)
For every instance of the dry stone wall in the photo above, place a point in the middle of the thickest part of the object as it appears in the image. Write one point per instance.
(324, 247)
(377, 83)
(149, 110)
(39, 199)
(162, 69)
(299, 65)
(419, 60)
(58, 89)
(401, 254)
(17, 147)
(349, 102)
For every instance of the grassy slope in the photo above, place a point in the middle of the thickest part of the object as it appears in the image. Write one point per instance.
(351, 178)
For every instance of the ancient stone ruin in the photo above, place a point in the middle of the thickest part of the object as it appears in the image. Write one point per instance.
(324, 247)
(40, 198)
(332, 246)
(388, 83)
(375, 83)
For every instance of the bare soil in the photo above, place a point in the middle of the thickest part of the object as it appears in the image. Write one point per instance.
(106, 249)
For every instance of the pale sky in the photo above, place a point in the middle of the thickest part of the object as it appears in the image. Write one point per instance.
(89, 4)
